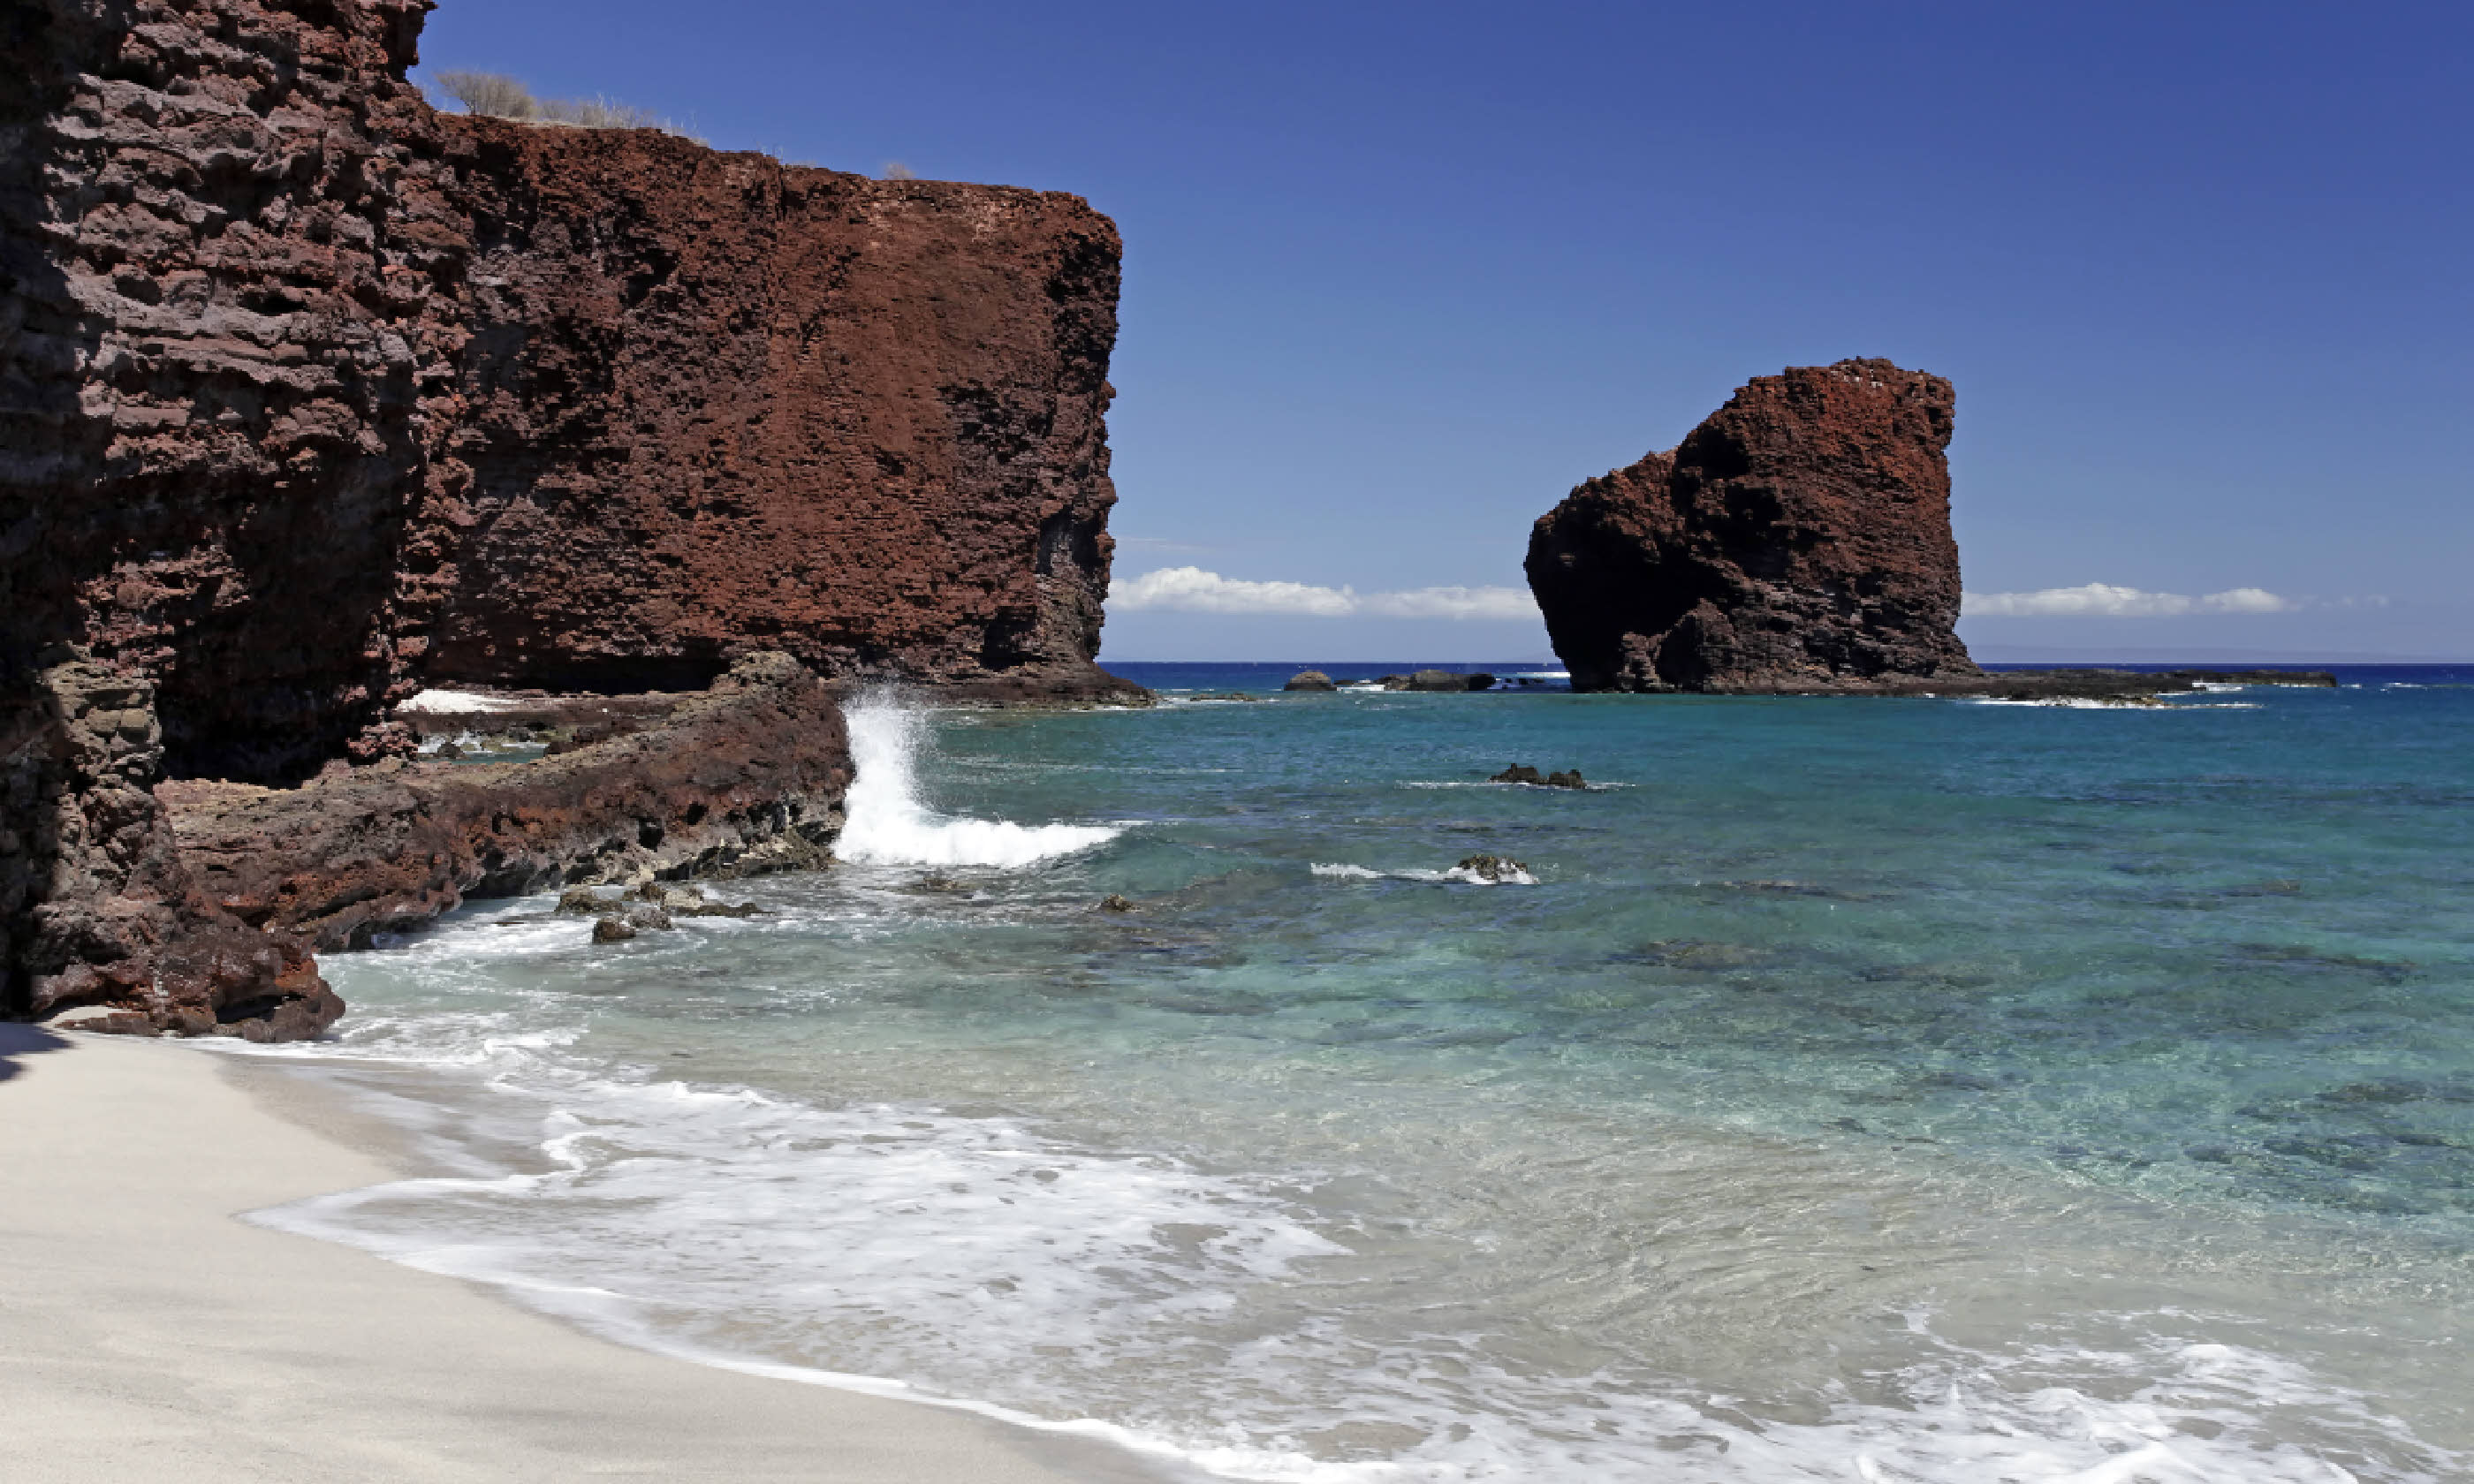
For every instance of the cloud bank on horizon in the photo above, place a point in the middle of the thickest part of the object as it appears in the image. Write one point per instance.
(2105, 599)
(1190, 589)
(1193, 589)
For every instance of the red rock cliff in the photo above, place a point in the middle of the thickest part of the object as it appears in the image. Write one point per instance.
(714, 400)
(311, 396)
(1798, 540)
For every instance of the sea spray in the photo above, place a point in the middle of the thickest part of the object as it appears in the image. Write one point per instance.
(887, 825)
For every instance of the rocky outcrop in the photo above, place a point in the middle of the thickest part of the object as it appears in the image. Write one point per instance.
(196, 906)
(1798, 540)
(715, 402)
(743, 779)
(103, 915)
(1437, 681)
(310, 396)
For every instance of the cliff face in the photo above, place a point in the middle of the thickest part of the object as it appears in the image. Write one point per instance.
(311, 396)
(226, 341)
(713, 400)
(1798, 540)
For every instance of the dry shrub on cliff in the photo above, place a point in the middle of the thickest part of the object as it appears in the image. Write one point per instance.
(493, 93)
(599, 113)
(499, 96)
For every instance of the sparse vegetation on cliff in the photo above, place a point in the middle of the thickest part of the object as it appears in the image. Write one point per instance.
(499, 96)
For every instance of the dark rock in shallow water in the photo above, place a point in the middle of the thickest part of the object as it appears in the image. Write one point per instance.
(1522, 773)
(612, 930)
(1493, 868)
(1441, 681)
(688, 901)
(1310, 679)
(1115, 903)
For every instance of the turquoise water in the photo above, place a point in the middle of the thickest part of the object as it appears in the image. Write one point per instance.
(1864, 1090)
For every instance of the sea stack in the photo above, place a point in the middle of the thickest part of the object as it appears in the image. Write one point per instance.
(1798, 540)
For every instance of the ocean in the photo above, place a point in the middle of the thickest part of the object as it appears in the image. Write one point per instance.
(1846, 1090)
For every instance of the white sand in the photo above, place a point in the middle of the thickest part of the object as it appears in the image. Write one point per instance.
(146, 1334)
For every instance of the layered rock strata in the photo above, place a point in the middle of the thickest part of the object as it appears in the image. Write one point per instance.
(232, 888)
(310, 396)
(1797, 540)
(712, 400)
(743, 779)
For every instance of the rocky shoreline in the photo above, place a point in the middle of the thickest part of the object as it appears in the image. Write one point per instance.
(251, 881)
(325, 399)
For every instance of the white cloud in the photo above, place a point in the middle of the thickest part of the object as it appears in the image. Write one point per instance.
(1190, 590)
(2104, 600)
(1514, 603)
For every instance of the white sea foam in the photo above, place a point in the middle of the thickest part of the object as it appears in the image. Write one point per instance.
(887, 825)
(455, 703)
(987, 1263)
(1343, 872)
(979, 1263)
(2096, 703)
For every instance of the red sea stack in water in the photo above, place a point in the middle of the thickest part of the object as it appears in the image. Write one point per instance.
(1799, 540)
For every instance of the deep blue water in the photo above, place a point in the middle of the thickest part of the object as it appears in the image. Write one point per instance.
(1868, 1089)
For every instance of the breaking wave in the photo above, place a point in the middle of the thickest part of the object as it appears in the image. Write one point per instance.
(887, 825)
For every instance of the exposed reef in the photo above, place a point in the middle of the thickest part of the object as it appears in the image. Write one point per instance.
(312, 397)
(1797, 540)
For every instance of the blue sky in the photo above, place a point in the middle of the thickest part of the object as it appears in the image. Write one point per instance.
(1397, 276)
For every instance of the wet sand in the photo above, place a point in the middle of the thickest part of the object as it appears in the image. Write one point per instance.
(146, 1333)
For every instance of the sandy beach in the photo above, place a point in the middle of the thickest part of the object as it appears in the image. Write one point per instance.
(146, 1333)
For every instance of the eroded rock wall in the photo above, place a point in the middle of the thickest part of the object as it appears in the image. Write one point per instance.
(311, 396)
(1797, 540)
(715, 401)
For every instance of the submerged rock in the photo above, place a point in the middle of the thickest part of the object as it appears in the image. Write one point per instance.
(1310, 679)
(1114, 902)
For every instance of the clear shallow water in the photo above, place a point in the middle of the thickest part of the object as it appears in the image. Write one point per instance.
(1865, 1090)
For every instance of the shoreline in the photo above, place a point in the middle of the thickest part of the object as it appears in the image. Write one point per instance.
(148, 1330)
